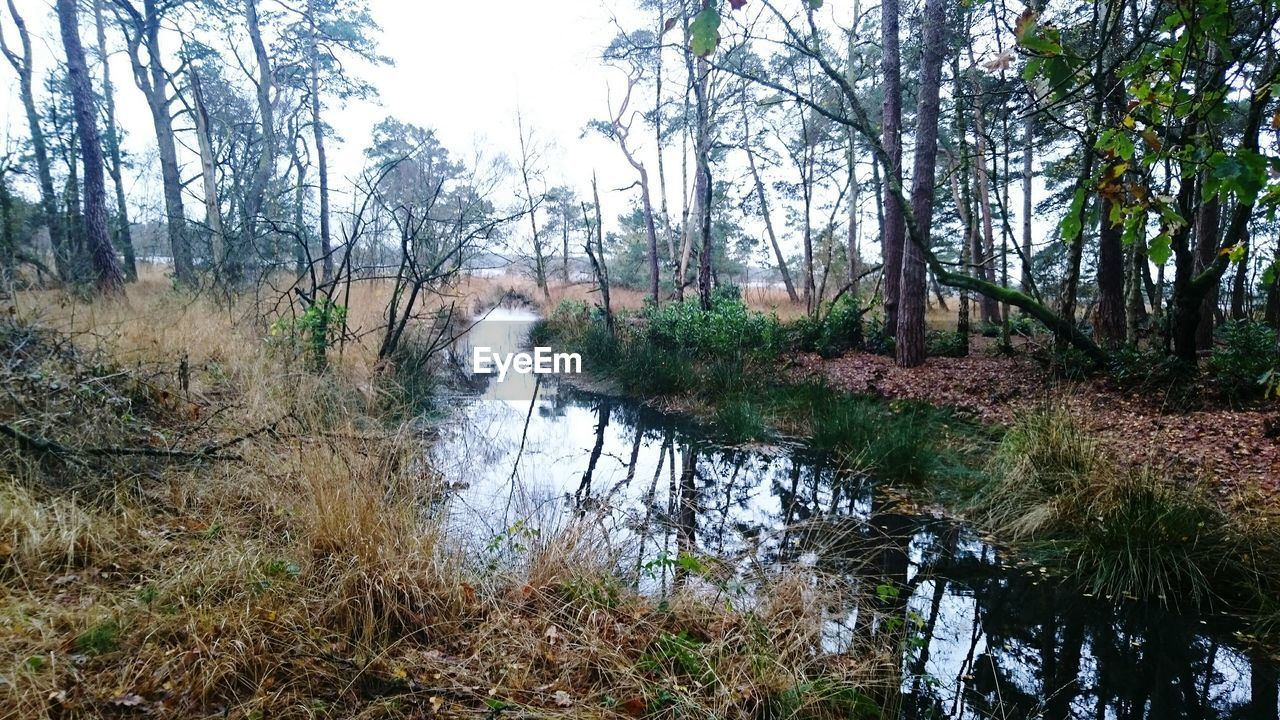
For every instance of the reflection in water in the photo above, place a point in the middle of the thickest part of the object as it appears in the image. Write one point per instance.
(980, 639)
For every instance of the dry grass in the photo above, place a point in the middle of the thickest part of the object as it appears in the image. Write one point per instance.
(298, 572)
(1125, 530)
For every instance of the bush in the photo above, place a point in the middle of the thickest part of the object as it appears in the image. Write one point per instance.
(727, 329)
(1122, 530)
(1144, 369)
(1067, 362)
(1247, 354)
(895, 442)
(832, 333)
(940, 343)
(878, 340)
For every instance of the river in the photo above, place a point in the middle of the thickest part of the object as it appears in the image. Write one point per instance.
(987, 638)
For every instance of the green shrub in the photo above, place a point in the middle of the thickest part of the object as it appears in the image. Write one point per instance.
(895, 442)
(727, 329)
(1144, 369)
(1239, 366)
(836, 329)
(939, 343)
(1067, 362)
(1121, 530)
(878, 340)
(739, 420)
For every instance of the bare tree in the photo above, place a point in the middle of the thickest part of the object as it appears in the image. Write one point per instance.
(102, 256)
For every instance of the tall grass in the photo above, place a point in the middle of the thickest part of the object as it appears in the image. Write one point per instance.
(1123, 531)
(305, 571)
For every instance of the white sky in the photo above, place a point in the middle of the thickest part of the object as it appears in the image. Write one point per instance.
(462, 68)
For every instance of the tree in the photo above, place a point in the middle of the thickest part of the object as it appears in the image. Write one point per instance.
(892, 230)
(319, 47)
(115, 166)
(264, 85)
(142, 34)
(634, 52)
(909, 345)
(102, 255)
(530, 158)
(24, 65)
(703, 34)
(748, 145)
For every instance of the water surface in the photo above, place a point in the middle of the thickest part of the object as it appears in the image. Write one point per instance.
(986, 639)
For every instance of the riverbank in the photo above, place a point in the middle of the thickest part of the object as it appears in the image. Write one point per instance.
(195, 524)
(1237, 451)
(1080, 481)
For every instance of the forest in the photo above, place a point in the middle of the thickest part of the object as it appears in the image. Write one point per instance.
(928, 359)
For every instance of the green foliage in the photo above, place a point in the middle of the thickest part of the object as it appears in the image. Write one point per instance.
(823, 698)
(1145, 369)
(100, 639)
(1119, 530)
(1242, 366)
(677, 654)
(878, 339)
(1067, 362)
(704, 32)
(898, 442)
(836, 330)
(739, 420)
(939, 343)
(315, 331)
(728, 329)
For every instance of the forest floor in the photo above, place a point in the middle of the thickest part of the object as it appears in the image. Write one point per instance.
(1236, 450)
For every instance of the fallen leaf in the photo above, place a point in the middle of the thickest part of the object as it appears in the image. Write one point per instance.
(127, 700)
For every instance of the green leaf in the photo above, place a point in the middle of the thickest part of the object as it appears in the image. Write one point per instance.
(1161, 249)
(704, 32)
(1271, 274)
(1133, 224)
(1071, 224)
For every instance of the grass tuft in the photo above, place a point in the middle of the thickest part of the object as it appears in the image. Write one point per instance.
(1123, 531)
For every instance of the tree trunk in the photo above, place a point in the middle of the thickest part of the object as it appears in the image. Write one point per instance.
(764, 209)
(910, 331)
(317, 128)
(702, 178)
(1109, 317)
(124, 233)
(1239, 287)
(153, 81)
(48, 198)
(1135, 308)
(1028, 174)
(660, 139)
(893, 230)
(1272, 312)
(262, 171)
(806, 185)
(102, 256)
(985, 256)
(852, 250)
(1109, 322)
(223, 261)
(1207, 233)
(964, 204)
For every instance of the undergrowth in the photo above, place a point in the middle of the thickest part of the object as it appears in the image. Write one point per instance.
(1122, 531)
(192, 525)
